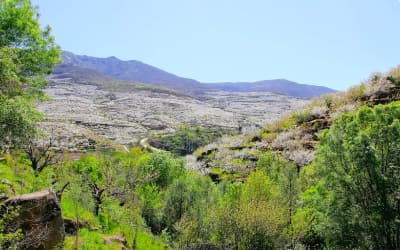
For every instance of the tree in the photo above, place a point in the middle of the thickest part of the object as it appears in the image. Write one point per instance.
(151, 207)
(17, 122)
(161, 169)
(41, 156)
(359, 158)
(80, 198)
(251, 216)
(27, 55)
(28, 52)
(93, 176)
(285, 176)
(187, 203)
(224, 217)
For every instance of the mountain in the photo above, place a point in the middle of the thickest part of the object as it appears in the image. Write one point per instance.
(281, 86)
(137, 71)
(82, 75)
(133, 70)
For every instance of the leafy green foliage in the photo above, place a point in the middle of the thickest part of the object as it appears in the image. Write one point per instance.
(250, 216)
(17, 118)
(161, 169)
(151, 207)
(187, 139)
(8, 240)
(149, 198)
(27, 54)
(358, 192)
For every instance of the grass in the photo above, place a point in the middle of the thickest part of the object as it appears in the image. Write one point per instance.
(147, 242)
(283, 124)
(96, 239)
(268, 136)
(67, 208)
(89, 240)
(217, 171)
(17, 176)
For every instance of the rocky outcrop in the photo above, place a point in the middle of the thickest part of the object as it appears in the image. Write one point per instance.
(39, 218)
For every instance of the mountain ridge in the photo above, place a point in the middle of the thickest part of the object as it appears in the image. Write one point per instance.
(137, 71)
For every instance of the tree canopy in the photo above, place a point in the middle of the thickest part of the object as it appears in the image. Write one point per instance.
(357, 200)
(28, 53)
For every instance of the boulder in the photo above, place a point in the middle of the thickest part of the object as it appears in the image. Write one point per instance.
(39, 217)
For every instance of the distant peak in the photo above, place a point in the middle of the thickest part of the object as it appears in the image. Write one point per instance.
(113, 58)
(136, 71)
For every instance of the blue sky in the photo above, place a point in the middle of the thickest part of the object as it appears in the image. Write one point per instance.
(335, 43)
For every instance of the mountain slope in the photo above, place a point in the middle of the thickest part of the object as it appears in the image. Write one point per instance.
(88, 108)
(140, 72)
(281, 86)
(133, 71)
(294, 136)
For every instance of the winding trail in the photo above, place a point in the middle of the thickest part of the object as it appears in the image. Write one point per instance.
(144, 143)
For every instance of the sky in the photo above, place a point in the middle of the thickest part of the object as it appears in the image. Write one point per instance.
(334, 43)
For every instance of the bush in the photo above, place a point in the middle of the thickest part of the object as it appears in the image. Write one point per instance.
(187, 139)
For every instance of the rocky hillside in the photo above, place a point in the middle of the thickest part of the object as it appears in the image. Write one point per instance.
(136, 71)
(295, 135)
(106, 102)
(88, 110)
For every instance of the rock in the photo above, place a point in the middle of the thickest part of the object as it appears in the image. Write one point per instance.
(3, 197)
(6, 182)
(206, 153)
(252, 158)
(10, 186)
(116, 238)
(71, 226)
(39, 217)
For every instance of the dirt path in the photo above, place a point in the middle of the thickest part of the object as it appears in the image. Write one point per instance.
(144, 143)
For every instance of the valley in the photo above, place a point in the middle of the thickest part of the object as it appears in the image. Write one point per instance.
(111, 154)
(80, 113)
(106, 103)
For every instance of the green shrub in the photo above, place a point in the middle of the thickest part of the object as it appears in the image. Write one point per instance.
(187, 139)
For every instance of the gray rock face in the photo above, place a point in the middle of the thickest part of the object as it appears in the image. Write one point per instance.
(39, 218)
